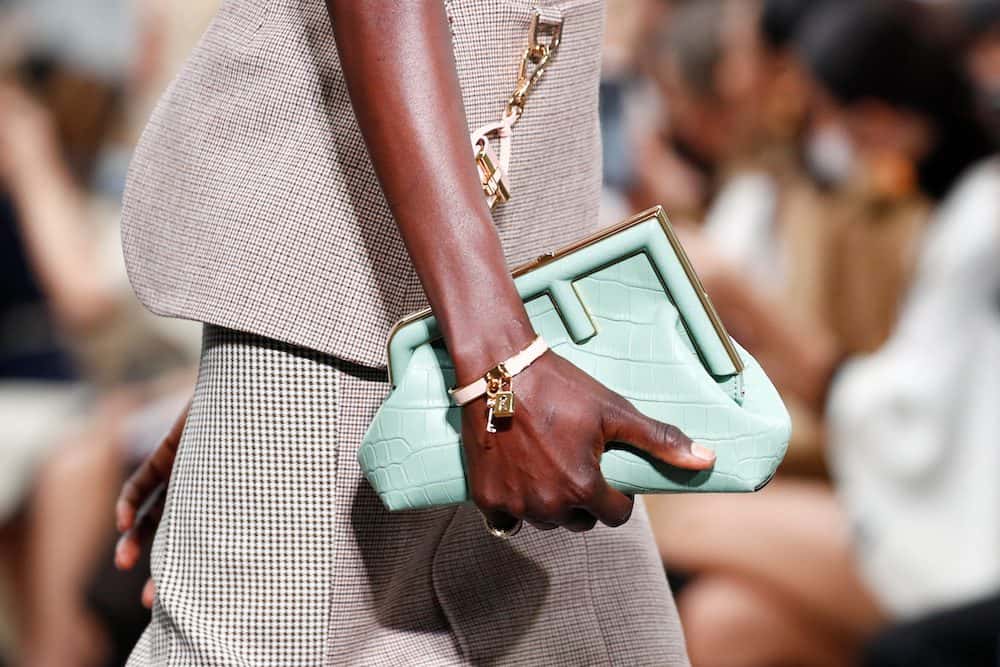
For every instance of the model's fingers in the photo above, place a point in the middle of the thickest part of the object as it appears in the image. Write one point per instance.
(127, 551)
(662, 441)
(148, 479)
(579, 521)
(611, 506)
(153, 472)
(542, 525)
(148, 593)
(143, 485)
(133, 493)
(131, 543)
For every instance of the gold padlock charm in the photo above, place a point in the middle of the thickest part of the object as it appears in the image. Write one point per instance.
(499, 396)
(503, 404)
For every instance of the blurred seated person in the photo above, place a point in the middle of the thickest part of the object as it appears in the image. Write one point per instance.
(79, 610)
(832, 243)
(53, 290)
(783, 228)
(49, 288)
(693, 58)
(798, 575)
(627, 102)
(74, 350)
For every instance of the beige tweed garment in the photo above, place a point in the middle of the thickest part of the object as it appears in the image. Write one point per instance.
(274, 551)
(252, 202)
(252, 206)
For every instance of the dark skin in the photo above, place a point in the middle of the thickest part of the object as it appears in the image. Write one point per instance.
(543, 465)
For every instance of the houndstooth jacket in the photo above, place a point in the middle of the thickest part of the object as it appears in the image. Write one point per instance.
(252, 202)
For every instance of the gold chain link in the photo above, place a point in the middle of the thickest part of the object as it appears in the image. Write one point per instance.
(492, 168)
(537, 54)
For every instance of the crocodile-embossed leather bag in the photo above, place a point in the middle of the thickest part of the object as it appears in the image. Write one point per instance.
(625, 306)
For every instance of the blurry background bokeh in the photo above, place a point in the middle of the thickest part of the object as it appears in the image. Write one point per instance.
(830, 165)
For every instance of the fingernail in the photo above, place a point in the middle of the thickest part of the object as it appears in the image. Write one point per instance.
(121, 555)
(118, 551)
(702, 452)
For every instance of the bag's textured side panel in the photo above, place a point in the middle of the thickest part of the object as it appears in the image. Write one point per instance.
(412, 453)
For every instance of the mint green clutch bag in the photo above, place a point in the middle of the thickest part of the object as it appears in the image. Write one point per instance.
(625, 306)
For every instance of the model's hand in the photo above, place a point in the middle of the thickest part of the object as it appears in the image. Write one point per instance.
(140, 503)
(543, 464)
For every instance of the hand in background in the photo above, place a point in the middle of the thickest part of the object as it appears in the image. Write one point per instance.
(140, 504)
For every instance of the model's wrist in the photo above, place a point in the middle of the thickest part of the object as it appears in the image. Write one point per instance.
(479, 346)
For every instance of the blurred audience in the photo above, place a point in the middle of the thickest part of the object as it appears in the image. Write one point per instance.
(913, 426)
(827, 251)
(87, 379)
(807, 573)
(830, 164)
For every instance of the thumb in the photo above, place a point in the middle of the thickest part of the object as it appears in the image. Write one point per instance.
(665, 442)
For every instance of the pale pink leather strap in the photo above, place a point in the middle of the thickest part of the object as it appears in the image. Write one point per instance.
(504, 130)
(514, 365)
(481, 141)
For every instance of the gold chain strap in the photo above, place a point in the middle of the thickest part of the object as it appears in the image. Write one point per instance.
(493, 167)
(537, 54)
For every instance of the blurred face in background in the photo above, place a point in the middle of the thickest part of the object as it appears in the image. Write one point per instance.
(95, 94)
(898, 89)
(698, 118)
(886, 143)
(785, 94)
(709, 71)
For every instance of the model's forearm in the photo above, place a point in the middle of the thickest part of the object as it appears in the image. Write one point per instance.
(400, 71)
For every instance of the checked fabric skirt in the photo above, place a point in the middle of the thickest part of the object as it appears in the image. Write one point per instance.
(273, 550)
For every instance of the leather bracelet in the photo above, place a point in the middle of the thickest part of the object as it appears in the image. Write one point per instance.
(510, 368)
